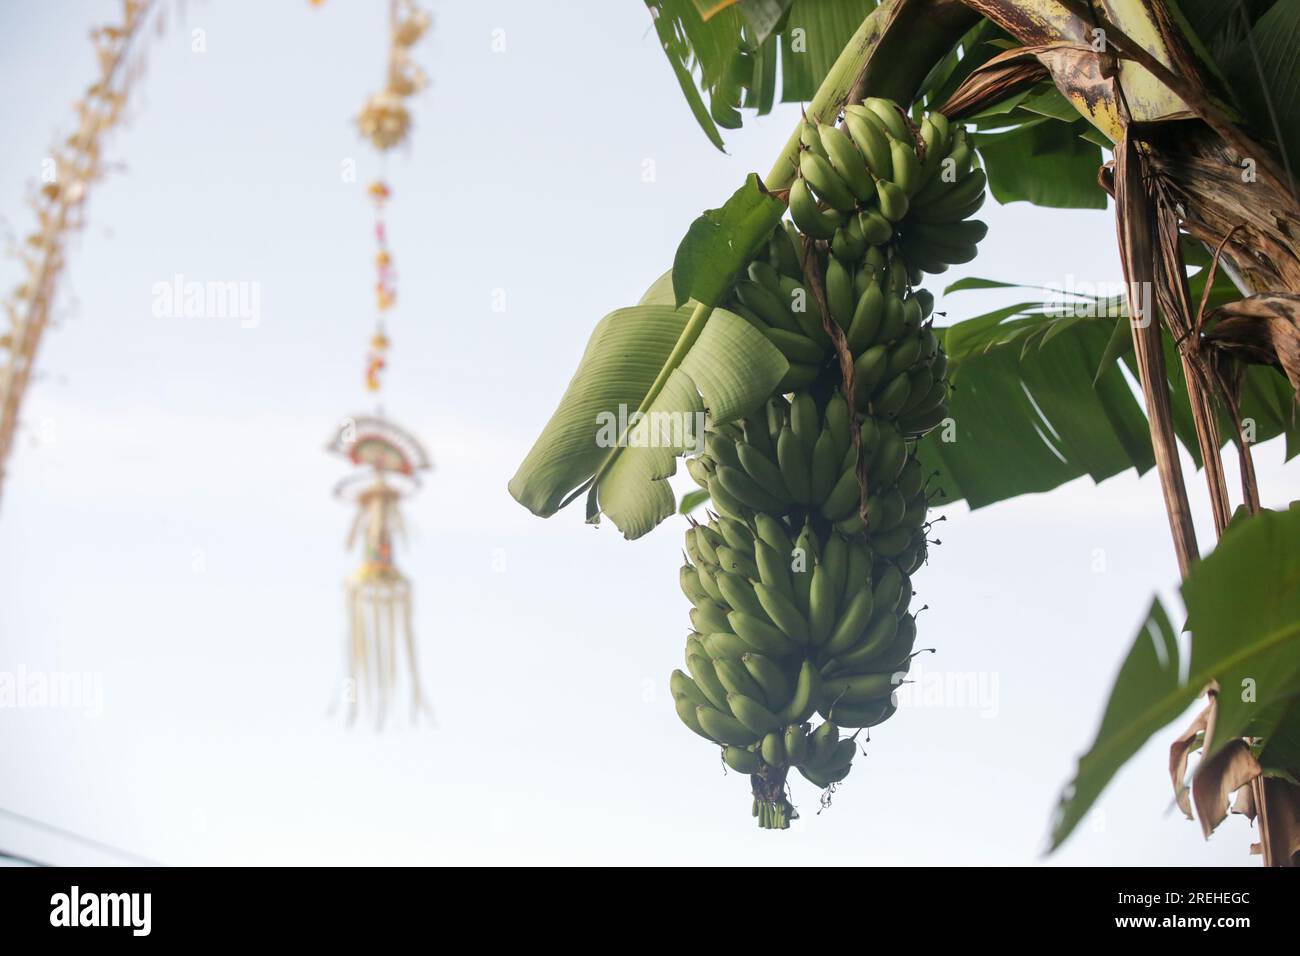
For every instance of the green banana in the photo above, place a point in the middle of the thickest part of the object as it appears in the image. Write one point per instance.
(852, 622)
(753, 715)
(735, 677)
(869, 135)
(736, 533)
(686, 710)
(769, 677)
(893, 200)
(891, 544)
(848, 245)
(764, 472)
(826, 182)
(725, 646)
(806, 312)
(838, 424)
(725, 729)
(808, 216)
(737, 562)
(796, 743)
(805, 422)
(848, 162)
(773, 570)
(795, 346)
(821, 747)
(784, 255)
(706, 679)
(739, 594)
(803, 699)
(821, 604)
(894, 320)
(811, 138)
(904, 354)
(691, 586)
(773, 750)
(870, 714)
(683, 686)
(876, 229)
(839, 293)
(888, 113)
(802, 561)
(907, 168)
(737, 483)
(889, 458)
(843, 498)
(919, 423)
(708, 618)
(772, 532)
(759, 634)
(835, 556)
(866, 320)
(824, 469)
(741, 760)
(781, 611)
(868, 370)
(709, 582)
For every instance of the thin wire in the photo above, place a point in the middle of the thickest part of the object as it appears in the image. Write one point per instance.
(19, 858)
(76, 838)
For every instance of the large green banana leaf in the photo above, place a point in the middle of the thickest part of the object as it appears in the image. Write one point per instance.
(730, 370)
(653, 374)
(1039, 399)
(623, 356)
(735, 56)
(1243, 611)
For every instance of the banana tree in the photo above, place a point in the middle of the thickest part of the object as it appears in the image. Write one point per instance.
(1195, 103)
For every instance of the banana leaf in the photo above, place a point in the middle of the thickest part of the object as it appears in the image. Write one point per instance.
(731, 60)
(1264, 70)
(1243, 612)
(1039, 398)
(593, 440)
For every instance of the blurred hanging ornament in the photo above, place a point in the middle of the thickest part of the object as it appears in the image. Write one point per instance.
(385, 120)
(378, 594)
(58, 203)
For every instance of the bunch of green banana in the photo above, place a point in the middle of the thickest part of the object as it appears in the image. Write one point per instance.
(797, 462)
(785, 628)
(800, 581)
(879, 180)
(799, 604)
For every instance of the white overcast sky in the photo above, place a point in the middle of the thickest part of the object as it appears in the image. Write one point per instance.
(168, 524)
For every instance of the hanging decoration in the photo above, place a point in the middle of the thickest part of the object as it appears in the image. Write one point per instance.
(378, 594)
(378, 604)
(59, 202)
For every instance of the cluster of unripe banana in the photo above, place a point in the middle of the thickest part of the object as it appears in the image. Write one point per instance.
(866, 182)
(800, 582)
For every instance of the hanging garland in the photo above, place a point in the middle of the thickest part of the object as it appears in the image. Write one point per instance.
(385, 121)
(59, 203)
(378, 595)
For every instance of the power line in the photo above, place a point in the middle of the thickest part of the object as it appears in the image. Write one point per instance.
(75, 837)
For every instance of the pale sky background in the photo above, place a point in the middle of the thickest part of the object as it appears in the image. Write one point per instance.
(168, 523)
